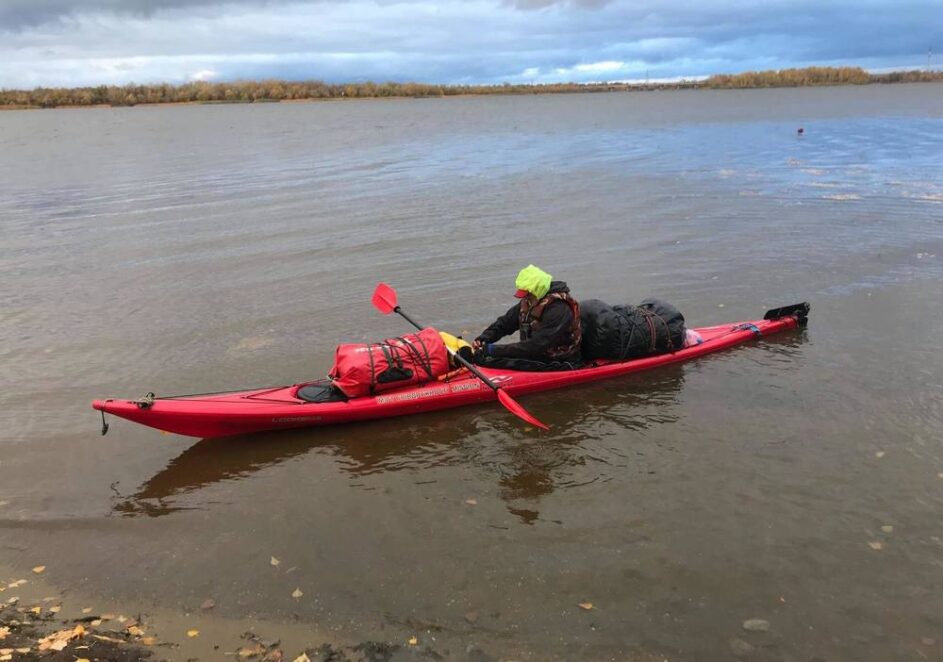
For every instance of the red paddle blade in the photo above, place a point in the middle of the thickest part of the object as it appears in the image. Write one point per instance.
(384, 298)
(511, 405)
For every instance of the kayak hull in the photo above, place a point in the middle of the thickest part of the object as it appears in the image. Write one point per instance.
(244, 412)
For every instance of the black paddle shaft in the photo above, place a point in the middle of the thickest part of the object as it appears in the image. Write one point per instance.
(458, 357)
(399, 311)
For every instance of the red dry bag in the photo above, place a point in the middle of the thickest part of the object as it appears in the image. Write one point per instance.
(394, 363)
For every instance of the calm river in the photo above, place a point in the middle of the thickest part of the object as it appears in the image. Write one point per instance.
(200, 248)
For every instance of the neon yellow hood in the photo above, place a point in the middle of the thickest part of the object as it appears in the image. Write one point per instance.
(534, 280)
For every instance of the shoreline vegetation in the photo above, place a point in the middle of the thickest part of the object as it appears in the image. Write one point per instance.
(275, 91)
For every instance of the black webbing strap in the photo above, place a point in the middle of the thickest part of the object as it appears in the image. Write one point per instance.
(410, 348)
(373, 371)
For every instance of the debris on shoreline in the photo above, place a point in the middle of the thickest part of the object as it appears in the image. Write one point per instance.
(36, 633)
(32, 633)
(34, 628)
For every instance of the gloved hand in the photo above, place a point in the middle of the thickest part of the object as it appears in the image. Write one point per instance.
(486, 350)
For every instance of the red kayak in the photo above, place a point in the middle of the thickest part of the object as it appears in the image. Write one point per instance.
(280, 407)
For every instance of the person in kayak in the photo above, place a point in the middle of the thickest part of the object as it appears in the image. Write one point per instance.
(548, 319)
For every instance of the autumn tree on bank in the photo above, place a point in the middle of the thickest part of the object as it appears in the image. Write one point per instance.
(279, 90)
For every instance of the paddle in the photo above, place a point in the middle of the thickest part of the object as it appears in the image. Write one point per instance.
(384, 300)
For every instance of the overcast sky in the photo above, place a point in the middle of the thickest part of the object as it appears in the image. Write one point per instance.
(87, 42)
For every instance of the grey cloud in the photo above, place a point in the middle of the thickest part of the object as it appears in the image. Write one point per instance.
(18, 14)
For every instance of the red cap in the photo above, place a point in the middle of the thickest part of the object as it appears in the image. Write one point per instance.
(520, 294)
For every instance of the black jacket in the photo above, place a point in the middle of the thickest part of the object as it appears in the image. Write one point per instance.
(553, 330)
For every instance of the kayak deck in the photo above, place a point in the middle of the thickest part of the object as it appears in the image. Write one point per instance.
(243, 412)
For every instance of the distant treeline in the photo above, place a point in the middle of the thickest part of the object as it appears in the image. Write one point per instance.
(277, 90)
(266, 91)
(813, 76)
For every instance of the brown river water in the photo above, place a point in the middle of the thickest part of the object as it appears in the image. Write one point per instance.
(797, 480)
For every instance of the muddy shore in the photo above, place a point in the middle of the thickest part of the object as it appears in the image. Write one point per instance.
(56, 628)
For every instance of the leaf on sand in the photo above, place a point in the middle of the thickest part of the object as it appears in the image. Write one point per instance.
(55, 609)
(296, 593)
(4, 658)
(149, 641)
(208, 604)
(36, 610)
(87, 610)
(250, 651)
(887, 528)
(59, 640)
(413, 641)
(586, 605)
(302, 658)
(275, 562)
(113, 640)
(879, 454)
(193, 633)
(135, 631)
(471, 502)
(107, 617)
(38, 569)
(22, 650)
(96, 622)
(4, 632)
(876, 545)
(82, 659)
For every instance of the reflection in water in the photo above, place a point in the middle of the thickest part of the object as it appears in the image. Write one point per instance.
(207, 462)
(536, 467)
(527, 467)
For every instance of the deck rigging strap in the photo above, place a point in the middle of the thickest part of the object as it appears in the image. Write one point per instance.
(748, 326)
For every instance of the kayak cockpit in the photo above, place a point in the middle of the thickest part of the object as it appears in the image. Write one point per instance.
(320, 391)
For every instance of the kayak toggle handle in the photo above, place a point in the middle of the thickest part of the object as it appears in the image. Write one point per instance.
(104, 424)
(145, 402)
